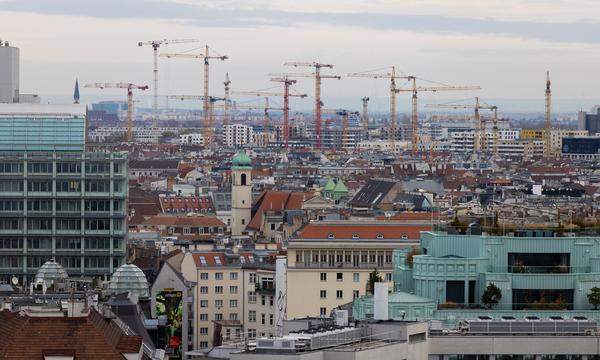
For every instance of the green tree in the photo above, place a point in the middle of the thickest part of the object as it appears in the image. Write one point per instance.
(374, 277)
(594, 297)
(411, 256)
(491, 295)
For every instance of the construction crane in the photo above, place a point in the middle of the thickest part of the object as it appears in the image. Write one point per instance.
(130, 87)
(345, 115)
(479, 105)
(548, 115)
(155, 45)
(226, 83)
(318, 77)
(365, 114)
(414, 89)
(208, 125)
(286, 103)
(393, 76)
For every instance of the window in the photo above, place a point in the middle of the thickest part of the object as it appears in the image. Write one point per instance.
(355, 294)
(233, 289)
(262, 300)
(97, 168)
(68, 205)
(11, 243)
(68, 168)
(233, 303)
(203, 331)
(97, 205)
(97, 186)
(39, 186)
(97, 262)
(252, 316)
(270, 300)
(203, 344)
(40, 205)
(203, 317)
(272, 226)
(71, 186)
(355, 236)
(11, 168)
(263, 319)
(97, 224)
(356, 277)
(218, 289)
(203, 276)
(203, 303)
(323, 276)
(243, 179)
(11, 186)
(339, 276)
(339, 294)
(323, 294)
(243, 221)
(388, 277)
(218, 317)
(251, 297)
(219, 303)
(11, 205)
(11, 224)
(252, 278)
(75, 225)
(219, 276)
(323, 311)
(39, 168)
(233, 316)
(36, 243)
(39, 224)
(203, 289)
(251, 333)
(233, 276)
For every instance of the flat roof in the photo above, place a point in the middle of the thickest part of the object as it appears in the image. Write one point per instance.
(42, 109)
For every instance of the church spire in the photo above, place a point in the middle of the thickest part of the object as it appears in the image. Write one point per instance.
(76, 92)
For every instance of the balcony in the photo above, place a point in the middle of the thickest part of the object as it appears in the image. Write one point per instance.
(555, 269)
(265, 288)
(301, 265)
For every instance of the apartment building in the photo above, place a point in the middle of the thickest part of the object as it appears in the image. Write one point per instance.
(329, 262)
(237, 135)
(233, 296)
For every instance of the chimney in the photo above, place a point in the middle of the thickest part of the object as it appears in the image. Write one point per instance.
(170, 183)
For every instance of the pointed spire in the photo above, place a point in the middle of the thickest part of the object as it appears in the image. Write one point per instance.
(76, 92)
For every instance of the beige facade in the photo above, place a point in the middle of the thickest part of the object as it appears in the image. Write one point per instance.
(557, 135)
(323, 275)
(259, 302)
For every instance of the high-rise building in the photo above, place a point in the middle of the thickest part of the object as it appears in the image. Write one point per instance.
(56, 200)
(590, 122)
(9, 73)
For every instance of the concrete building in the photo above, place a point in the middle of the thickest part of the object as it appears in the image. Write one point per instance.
(241, 193)
(9, 73)
(332, 260)
(557, 136)
(236, 135)
(590, 122)
(192, 139)
(581, 148)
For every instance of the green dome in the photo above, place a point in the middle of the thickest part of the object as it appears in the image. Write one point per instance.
(330, 185)
(241, 159)
(340, 187)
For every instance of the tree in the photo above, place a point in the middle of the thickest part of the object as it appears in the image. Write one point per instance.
(374, 277)
(594, 297)
(411, 256)
(491, 296)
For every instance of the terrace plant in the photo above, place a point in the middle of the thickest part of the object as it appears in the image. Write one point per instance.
(491, 296)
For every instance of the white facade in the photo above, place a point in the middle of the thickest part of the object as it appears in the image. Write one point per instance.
(238, 134)
(9, 73)
(191, 139)
(141, 134)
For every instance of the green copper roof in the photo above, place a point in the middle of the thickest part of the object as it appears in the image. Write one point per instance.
(330, 185)
(241, 159)
(340, 187)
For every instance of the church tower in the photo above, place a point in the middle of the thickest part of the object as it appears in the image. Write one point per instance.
(241, 192)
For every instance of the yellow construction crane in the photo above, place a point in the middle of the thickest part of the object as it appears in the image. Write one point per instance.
(393, 76)
(318, 78)
(130, 87)
(155, 45)
(205, 57)
(286, 104)
(548, 116)
(478, 140)
(414, 89)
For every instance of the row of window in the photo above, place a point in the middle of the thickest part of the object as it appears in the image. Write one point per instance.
(219, 275)
(219, 289)
(349, 257)
(65, 261)
(61, 243)
(61, 224)
(339, 294)
(263, 318)
(68, 186)
(61, 205)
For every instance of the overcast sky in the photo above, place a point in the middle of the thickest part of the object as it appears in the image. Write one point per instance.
(505, 46)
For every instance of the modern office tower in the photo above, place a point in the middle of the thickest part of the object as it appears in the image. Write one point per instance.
(56, 200)
(9, 73)
(590, 122)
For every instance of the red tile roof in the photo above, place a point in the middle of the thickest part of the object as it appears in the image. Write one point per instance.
(191, 221)
(272, 200)
(186, 203)
(370, 230)
(85, 338)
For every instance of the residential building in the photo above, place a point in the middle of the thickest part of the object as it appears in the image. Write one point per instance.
(192, 139)
(259, 300)
(236, 135)
(153, 168)
(333, 259)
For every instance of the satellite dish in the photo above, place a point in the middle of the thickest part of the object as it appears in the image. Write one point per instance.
(14, 280)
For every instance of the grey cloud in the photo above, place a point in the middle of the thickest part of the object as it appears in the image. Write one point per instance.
(212, 16)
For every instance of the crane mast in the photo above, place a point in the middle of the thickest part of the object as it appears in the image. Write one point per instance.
(129, 87)
(226, 115)
(208, 118)
(318, 103)
(155, 45)
(548, 116)
(365, 115)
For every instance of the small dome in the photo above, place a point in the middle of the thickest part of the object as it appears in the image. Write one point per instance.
(241, 159)
(50, 272)
(129, 278)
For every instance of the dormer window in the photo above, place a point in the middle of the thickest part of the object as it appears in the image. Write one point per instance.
(330, 236)
(380, 236)
(404, 236)
(355, 236)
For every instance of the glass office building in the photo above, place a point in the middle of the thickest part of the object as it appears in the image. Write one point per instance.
(56, 200)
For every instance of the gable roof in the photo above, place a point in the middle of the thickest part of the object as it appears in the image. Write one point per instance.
(372, 192)
(272, 200)
(192, 221)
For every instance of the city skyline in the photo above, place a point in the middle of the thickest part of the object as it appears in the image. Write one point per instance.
(460, 44)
